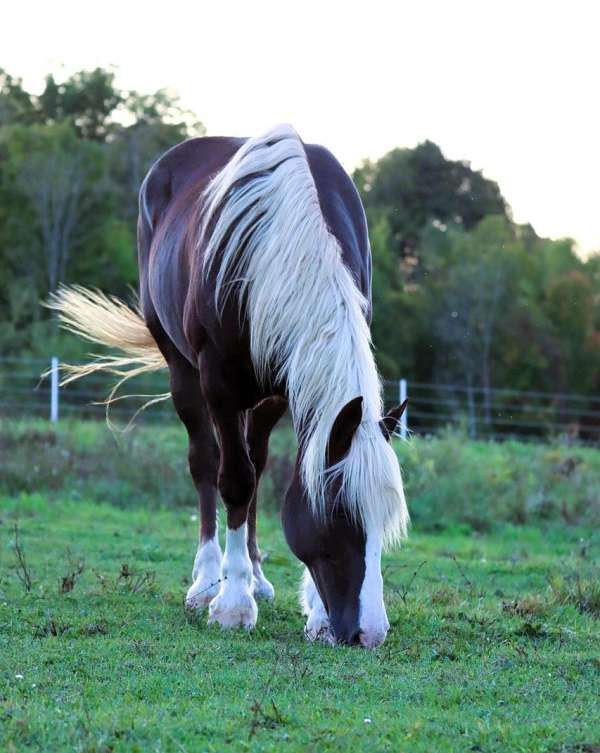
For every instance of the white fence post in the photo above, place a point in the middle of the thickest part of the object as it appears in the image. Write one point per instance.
(402, 391)
(54, 389)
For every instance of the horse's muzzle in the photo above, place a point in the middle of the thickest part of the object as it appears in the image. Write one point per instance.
(372, 640)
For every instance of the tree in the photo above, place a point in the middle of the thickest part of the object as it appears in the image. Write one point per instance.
(59, 176)
(159, 122)
(470, 298)
(71, 162)
(569, 305)
(16, 105)
(87, 100)
(415, 187)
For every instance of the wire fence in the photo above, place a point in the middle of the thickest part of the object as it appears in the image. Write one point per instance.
(500, 413)
(493, 414)
(24, 393)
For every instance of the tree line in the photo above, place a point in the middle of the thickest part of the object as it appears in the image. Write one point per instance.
(462, 294)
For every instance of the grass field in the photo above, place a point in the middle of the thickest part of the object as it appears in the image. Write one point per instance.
(494, 643)
(448, 479)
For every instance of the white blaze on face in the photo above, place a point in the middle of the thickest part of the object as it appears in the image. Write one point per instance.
(373, 621)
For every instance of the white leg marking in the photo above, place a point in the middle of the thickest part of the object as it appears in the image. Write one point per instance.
(373, 621)
(234, 605)
(317, 622)
(262, 589)
(206, 574)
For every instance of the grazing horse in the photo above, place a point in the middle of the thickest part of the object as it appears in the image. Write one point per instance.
(255, 276)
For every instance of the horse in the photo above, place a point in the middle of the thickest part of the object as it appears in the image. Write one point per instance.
(255, 293)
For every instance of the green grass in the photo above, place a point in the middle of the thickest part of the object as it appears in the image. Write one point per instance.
(448, 479)
(494, 644)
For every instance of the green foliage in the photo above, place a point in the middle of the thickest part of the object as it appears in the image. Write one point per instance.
(16, 104)
(391, 307)
(448, 479)
(483, 654)
(59, 181)
(71, 163)
(460, 292)
(417, 186)
(463, 295)
(87, 100)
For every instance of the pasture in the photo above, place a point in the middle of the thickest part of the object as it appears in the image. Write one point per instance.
(494, 643)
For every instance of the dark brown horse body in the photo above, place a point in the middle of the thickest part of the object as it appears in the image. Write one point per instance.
(228, 409)
(168, 248)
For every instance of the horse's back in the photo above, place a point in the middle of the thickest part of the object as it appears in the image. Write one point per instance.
(169, 220)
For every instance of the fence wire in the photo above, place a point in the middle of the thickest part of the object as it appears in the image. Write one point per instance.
(495, 414)
(500, 413)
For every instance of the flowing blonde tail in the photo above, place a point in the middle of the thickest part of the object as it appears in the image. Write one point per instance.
(106, 320)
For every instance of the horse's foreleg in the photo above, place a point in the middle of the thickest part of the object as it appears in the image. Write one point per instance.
(234, 605)
(261, 421)
(203, 457)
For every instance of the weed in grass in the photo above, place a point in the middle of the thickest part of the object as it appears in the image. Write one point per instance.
(532, 630)
(269, 717)
(128, 580)
(445, 596)
(136, 582)
(583, 593)
(528, 606)
(22, 568)
(403, 590)
(468, 583)
(49, 629)
(67, 583)
(94, 629)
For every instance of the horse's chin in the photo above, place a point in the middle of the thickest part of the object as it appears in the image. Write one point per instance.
(325, 635)
(372, 640)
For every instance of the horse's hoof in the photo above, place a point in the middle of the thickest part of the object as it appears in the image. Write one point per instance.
(262, 589)
(229, 613)
(201, 593)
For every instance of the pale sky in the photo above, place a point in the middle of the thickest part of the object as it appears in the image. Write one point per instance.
(513, 87)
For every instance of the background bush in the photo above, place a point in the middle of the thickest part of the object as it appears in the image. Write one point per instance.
(448, 479)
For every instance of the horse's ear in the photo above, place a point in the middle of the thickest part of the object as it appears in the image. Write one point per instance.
(342, 431)
(389, 423)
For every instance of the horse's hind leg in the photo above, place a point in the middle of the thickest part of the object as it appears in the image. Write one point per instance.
(203, 457)
(261, 421)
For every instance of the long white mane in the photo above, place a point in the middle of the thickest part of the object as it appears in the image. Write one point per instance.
(266, 239)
